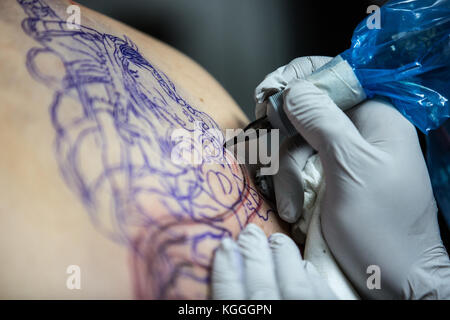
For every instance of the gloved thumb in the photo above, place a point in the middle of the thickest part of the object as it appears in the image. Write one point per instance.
(288, 182)
(317, 118)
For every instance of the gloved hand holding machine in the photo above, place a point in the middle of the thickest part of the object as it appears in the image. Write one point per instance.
(378, 209)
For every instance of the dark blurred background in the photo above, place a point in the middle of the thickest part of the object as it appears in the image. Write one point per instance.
(240, 41)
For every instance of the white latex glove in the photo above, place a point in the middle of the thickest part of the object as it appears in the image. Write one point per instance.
(294, 151)
(378, 207)
(255, 267)
(290, 201)
(278, 79)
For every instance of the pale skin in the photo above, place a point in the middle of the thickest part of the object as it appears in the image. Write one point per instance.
(44, 226)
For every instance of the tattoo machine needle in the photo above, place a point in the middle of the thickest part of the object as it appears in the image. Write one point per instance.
(275, 118)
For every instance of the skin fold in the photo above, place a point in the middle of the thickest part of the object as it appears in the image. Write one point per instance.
(87, 177)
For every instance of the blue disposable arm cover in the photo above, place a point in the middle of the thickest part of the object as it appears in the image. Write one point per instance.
(407, 59)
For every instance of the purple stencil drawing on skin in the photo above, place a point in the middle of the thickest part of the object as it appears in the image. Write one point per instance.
(114, 147)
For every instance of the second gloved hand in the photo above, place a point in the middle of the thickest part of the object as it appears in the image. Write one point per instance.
(255, 267)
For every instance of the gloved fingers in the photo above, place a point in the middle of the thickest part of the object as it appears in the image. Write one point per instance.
(288, 183)
(227, 273)
(277, 80)
(288, 265)
(271, 84)
(297, 278)
(319, 120)
(382, 125)
(259, 273)
(304, 66)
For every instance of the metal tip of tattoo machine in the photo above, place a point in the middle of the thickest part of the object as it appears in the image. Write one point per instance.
(261, 123)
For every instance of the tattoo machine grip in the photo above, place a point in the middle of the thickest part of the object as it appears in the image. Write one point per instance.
(336, 79)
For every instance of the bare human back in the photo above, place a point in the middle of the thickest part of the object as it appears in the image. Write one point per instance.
(86, 172)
